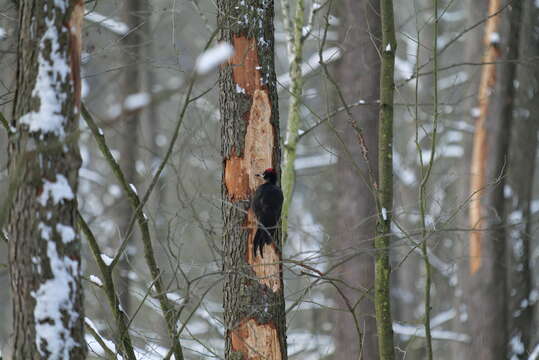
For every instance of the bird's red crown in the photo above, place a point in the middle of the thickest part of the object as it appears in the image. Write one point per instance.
(269, 170)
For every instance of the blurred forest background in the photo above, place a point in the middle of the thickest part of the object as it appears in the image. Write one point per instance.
(137, 64)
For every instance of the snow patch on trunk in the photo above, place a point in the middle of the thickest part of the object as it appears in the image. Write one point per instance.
(55, 313)
(53, 74)
(57, 190)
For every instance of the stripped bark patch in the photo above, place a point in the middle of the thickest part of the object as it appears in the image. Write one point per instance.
(259, 142)
(256, 341)
(478, 179)
(477, 184)
(236, 179)
(259, 138)
(241, 181)
(268, 268)
(245, 65)
(240, 172)
(75, 28)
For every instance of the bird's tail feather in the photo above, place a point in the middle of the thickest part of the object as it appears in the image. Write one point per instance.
(263, 236)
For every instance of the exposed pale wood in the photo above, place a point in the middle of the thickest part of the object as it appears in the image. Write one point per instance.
(245, 64)
(267, 269)
(241, 180)
(256, 341)
(240, 172)
(236, 179)
(479, 152)
(75, 25)
(259, 138)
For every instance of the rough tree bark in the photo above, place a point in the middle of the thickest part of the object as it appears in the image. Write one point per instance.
(382, 298)
(253, 289)
(523, 148)
(487, 280)
(358, 74)
(44, 246)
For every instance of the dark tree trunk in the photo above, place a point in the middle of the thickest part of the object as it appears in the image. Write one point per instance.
(487, 280)
(523, 147)
(358, 74)
(253, 289)
(382, 243)
(44, 246)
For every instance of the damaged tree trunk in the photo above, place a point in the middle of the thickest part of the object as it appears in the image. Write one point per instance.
(478, 166)
(44, 246)
(253, 289)
(487, 280)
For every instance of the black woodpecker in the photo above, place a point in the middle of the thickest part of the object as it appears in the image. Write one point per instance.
(266, 204)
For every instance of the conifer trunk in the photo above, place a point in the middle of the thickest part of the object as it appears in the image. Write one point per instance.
(488, 269)
(44, 245)
(358, 73)
(520, 179)
(253, 288)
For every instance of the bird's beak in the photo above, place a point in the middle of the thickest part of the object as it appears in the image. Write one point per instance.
(259, 175)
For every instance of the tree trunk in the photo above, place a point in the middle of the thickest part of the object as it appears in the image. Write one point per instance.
(476, 11)
(44, 246)
(382, 297)
(129, 135)
(253, 288)
(288, 176)
(523, 147)
(487, 278)
(358, 73)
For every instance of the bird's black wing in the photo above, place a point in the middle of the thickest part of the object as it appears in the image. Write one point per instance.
(267, 205)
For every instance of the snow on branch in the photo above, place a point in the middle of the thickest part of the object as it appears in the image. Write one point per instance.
(314, 161)
(328, 55)
(115, 26)
(412, 330)
(213, 57)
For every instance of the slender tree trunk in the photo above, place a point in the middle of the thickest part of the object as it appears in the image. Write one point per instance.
(129, 134)
(253, 289)
(288, 178)
(476, 11)
(487, 279)
(523, 148)
(44, 247)
(382, 297)
(358, 73)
